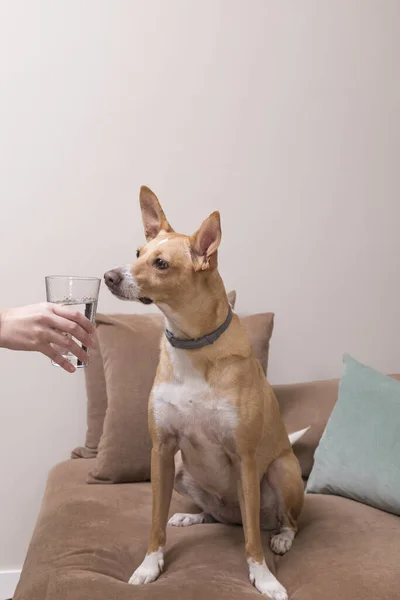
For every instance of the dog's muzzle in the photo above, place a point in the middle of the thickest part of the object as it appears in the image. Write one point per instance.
(121, 283)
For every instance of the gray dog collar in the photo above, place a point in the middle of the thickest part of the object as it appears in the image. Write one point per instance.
(205, 340)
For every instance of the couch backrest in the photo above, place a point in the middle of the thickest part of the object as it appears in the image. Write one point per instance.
(304, 404)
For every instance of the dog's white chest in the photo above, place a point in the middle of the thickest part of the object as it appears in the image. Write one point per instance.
(202, 422)
(190, 409)
(203, 426)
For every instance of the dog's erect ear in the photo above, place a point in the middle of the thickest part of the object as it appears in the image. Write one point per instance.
(154, 219)
(204, 243)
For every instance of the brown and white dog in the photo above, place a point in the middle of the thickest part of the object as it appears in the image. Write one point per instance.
(214, 420)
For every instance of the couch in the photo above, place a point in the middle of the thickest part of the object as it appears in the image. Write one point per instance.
(89, 538)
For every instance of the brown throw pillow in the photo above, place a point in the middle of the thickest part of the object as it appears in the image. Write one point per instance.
(96, 393)
(130, 349)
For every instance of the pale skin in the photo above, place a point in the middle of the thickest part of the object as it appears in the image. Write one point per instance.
(46, 328)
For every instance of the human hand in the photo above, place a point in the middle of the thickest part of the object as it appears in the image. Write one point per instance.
(37, 327)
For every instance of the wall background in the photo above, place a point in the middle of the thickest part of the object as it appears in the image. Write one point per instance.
(282, 115)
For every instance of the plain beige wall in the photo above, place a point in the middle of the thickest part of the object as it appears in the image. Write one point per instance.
(284, 115)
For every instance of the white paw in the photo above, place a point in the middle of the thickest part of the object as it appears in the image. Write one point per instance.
(282, 542)
(149, 570)
(186, 519)
(265, 582)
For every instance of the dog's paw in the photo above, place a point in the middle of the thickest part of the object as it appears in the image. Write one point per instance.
(187, 519)
(263, 580)
(149, 570)
(282, 542)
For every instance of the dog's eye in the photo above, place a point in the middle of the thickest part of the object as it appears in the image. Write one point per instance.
(137, 253)
(160, 264)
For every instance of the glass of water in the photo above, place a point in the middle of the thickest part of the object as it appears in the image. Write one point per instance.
(80, 293)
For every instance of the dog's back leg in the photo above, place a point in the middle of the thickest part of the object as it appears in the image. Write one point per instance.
(284, 477)
(213, 509)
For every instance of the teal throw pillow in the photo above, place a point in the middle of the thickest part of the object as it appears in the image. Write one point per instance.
(359, 453)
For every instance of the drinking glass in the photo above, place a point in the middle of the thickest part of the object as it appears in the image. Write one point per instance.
(79, 293)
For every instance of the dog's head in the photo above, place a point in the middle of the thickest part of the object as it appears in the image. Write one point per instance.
(168, 264)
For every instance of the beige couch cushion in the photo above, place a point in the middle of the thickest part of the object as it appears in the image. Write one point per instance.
(303, 405)
(129, 347)
(89, 539)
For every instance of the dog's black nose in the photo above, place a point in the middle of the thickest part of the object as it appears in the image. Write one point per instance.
(113, 277)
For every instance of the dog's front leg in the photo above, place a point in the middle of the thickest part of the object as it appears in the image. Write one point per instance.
(249, 496)
(162, 479)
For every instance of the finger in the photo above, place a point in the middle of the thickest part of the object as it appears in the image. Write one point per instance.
(74, 315)
(57, 358)
(69, 326)
(67, 343)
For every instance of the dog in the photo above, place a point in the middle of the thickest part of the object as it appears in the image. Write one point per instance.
(214, 421)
